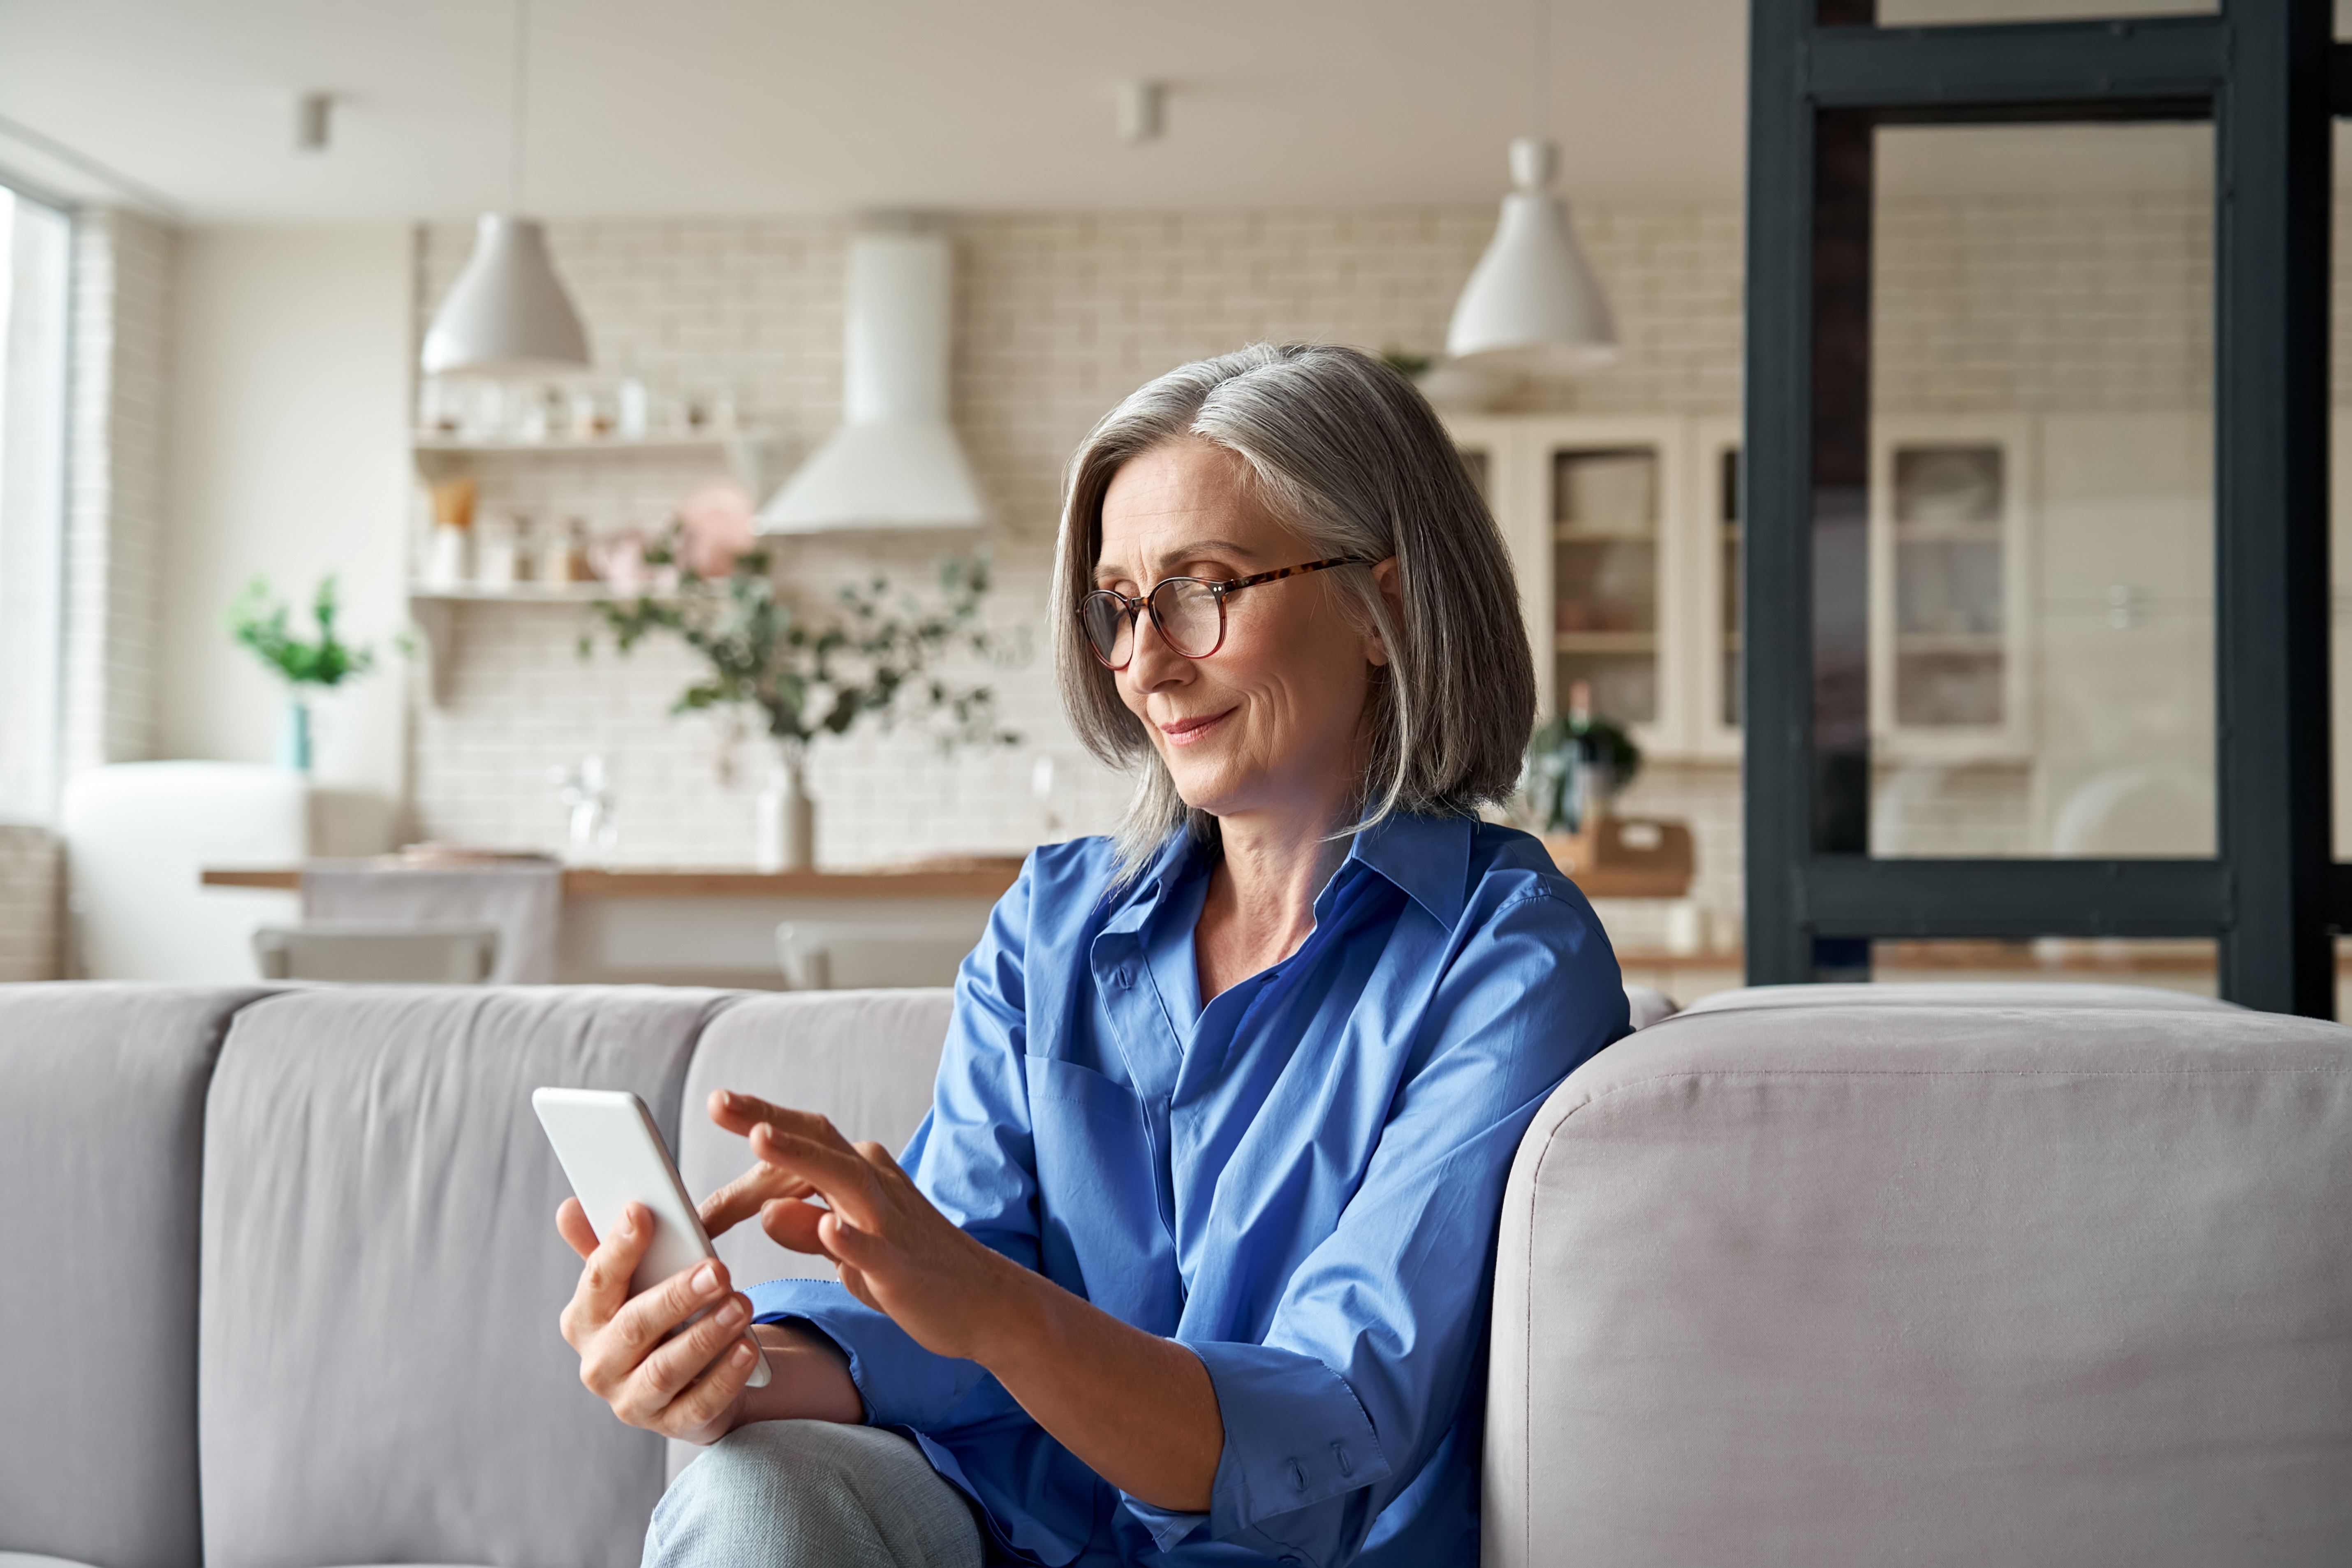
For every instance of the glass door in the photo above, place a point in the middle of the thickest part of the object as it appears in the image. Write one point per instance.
(1612, 495)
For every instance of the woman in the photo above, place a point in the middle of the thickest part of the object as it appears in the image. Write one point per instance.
(1190, 1259)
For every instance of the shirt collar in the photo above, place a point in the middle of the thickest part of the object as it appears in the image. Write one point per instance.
(1428, 858)
(1175, 860)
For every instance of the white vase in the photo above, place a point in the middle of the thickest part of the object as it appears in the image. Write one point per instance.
(783, 819)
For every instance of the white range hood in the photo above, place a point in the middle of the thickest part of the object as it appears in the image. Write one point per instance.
(895, 462)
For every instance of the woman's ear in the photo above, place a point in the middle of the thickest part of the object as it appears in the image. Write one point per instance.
(1386, 577)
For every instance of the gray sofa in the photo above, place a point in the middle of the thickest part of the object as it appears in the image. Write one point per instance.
(1830, 1277)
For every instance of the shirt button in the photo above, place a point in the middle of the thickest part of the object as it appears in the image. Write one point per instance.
(1298, 1475)
(1123, 977)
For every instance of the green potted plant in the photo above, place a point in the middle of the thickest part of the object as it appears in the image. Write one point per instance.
(873, 660)
(260, 622)
(1576, 762)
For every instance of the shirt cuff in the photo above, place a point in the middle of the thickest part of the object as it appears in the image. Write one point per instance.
(902, 1384)
(1295, 1434)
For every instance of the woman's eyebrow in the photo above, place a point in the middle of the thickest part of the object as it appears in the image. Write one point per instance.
(1190, 550)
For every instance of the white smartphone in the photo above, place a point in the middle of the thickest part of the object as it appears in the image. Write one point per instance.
(612, 1154)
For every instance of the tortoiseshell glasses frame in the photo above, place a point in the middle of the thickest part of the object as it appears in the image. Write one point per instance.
(1179, 606)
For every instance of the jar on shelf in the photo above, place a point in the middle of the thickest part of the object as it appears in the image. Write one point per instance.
(564, 553)
(590, 418)
(498, 550)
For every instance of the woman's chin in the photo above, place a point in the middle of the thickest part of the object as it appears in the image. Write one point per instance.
(1205, 788)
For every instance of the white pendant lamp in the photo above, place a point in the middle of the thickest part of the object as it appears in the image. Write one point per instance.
(508, 314)
(1532, 306)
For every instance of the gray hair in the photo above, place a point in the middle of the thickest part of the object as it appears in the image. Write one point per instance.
(1346, 452)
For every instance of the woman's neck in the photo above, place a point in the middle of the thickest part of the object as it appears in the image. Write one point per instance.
(1260, 905)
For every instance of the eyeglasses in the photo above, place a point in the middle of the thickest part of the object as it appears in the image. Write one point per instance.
(1189, 611)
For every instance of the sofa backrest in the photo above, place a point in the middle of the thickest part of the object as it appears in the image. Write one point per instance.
(1958, 994)
(1859, 1284)
(101, 1146)
(381, 1377)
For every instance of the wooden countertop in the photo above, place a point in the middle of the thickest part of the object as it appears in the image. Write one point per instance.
(973, 878)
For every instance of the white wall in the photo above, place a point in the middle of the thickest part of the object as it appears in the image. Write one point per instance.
(288, 409)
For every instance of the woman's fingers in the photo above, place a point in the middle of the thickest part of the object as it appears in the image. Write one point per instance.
(740, 1198)
(841, 1176)
(675, 1362)
(571, 1224)
(639, 1326)
(694, 1410)
(738, 1113)
(792, 1223)
(604, 1283)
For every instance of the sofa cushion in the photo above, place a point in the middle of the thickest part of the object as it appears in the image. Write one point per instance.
(1862, 1284)
(102, 1143)
(381, 1377)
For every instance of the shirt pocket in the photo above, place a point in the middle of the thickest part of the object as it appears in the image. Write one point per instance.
(1099, 1229)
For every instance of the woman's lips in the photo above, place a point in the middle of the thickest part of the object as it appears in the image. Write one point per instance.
(1189, 731)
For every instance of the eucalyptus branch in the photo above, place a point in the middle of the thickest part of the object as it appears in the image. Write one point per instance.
(808, 678)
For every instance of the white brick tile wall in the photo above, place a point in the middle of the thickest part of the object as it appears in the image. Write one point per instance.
(114, 528)
(32, 894)
(1059, 315)
(1987, 305)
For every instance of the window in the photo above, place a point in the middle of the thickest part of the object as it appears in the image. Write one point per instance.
(36, 256)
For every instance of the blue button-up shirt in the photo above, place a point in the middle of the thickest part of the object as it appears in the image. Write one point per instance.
(1299, 1182)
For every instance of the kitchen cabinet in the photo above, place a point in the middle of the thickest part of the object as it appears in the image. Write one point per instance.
(1625, 536)
(1951, 624)
(1597, 514)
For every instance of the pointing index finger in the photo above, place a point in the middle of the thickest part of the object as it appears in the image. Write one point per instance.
(740, 1114)
(839, 1176)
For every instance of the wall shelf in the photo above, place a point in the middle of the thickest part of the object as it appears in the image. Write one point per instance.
(438, 456)
(569, 446)
(434, 613)
(521, 593)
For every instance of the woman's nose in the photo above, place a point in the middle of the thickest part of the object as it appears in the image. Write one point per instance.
(1153, 663)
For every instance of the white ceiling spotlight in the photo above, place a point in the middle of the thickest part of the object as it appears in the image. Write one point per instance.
(508, 314)
(1532, 306)
(1142, 112)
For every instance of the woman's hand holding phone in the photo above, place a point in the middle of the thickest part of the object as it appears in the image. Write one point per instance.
(691, 1387)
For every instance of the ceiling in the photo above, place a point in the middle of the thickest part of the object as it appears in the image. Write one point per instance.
(721, 107)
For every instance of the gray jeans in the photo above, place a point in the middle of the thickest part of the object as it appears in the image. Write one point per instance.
(811, 1494)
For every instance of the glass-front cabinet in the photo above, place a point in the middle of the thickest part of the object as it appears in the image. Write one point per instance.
(1595, 513)
(1949, 612)
(1625, 536)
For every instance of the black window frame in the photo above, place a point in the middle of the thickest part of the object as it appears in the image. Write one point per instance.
(2268, 76)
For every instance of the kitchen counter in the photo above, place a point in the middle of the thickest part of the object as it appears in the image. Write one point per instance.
(979, 877)
(716, 925)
